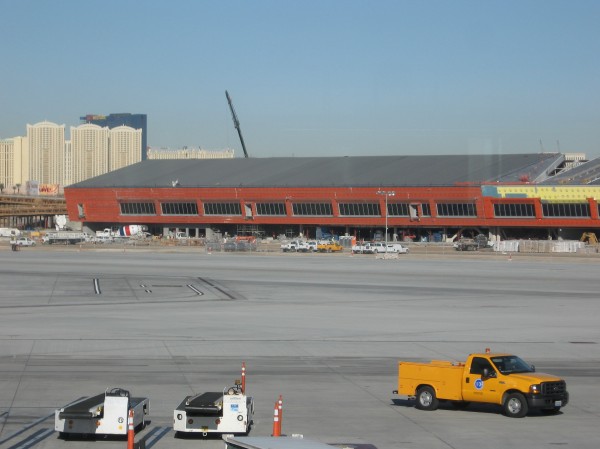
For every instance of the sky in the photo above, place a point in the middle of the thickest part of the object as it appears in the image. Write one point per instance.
(313, 77)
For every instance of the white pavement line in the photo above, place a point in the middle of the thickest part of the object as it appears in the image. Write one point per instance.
(33, 439)
(97, 286)
(193, 288)
(153, 439)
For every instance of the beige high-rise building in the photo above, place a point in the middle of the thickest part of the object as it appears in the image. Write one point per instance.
(190, 153)
(89, 152)
(68, 174)
(125, 147)
(7, 164)
(14, 162)
(46, 152)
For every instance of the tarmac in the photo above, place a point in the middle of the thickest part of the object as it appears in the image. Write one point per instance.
(324, 330)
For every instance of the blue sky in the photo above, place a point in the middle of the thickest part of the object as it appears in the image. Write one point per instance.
(313, 78)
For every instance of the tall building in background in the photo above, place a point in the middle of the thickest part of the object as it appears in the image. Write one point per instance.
(14, 162)
(135, 121)
(89, 151)
(125, 147)
(46, 152)
(7, 163)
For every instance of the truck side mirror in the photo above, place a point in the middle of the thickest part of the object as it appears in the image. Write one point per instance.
(487, 374)
(533, 368)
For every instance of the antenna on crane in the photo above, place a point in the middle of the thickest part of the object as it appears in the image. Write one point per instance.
(236, 123)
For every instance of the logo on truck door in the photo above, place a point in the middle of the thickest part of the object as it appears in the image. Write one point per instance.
(478, 384)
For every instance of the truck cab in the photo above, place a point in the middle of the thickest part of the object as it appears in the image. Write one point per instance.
(501, 378)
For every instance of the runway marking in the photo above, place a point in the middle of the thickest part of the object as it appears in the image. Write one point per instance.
(230, 296)
(97, 286)
(33, 439)
(33, 423)
(155, 435)
(194, 289)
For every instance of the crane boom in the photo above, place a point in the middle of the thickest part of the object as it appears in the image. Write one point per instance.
(236, 123)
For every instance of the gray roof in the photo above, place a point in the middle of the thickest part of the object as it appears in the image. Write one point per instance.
(353, 171)
(586, 173)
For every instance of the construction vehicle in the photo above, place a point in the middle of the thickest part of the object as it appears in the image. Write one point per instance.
(104, 414)
(474, 244)
(65, 237)
(236, 123)
(228, 411)
(589, 237)
(502, 379)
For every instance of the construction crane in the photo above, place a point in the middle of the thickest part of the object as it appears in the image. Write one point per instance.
(236, 123)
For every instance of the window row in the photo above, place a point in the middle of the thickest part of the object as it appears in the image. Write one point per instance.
(324, 209)
(514, 210)
(574, 210)
(456, 210)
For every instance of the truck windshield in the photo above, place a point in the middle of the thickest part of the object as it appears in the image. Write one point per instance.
(510, 364)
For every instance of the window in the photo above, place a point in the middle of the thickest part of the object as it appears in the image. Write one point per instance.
(514, 210)
(360, 209)
(398, 210)
(479, 364)
(425, 210)
(573, 210)
(456, 210)
(222, 209)
(179, 208)
(270, 209)
(138, 208)
(315, 209)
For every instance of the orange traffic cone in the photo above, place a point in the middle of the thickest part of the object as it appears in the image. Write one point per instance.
(276, 423)
(280, 407)
(243, 377)
(130, 431)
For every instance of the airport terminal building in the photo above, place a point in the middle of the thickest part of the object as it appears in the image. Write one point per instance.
(420, 198)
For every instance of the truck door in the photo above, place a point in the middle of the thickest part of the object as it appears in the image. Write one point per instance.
(477, 388)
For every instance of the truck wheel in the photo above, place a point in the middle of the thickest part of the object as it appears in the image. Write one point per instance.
(426, 399)
(515, 405)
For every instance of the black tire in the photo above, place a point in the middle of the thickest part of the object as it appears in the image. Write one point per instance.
(426, 399)
(515, 405)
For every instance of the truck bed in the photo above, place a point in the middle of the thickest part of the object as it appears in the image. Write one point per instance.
(444, 376)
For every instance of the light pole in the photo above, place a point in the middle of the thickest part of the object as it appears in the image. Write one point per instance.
(386, 193)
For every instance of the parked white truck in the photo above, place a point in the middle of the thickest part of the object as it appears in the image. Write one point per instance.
(299, 246)
(65, 237)
(394, 248)
(9, 232)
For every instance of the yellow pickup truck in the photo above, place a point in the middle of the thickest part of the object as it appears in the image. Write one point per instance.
(329, 247)
(500, 378)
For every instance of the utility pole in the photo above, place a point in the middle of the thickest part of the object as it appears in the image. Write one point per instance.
(386, 193)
